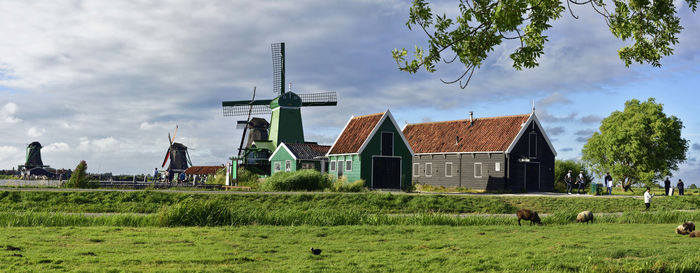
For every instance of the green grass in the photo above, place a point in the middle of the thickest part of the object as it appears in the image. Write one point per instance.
(570, 248)
(151, 202)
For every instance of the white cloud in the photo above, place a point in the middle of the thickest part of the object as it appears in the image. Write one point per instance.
(34, 132)
(8, 152)
(7, 113)
(56, 147)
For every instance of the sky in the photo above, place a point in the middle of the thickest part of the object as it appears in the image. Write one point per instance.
(106, 81)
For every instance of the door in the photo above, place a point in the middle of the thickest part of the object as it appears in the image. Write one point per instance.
(340, 166)
(532, 180)
(386, 172)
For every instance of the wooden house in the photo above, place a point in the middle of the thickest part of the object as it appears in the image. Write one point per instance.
(510, 152)
(289, 157)
(372, 148)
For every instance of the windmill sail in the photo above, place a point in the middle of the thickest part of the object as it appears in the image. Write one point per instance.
(319, 99)
(278, 68)
(241, 107)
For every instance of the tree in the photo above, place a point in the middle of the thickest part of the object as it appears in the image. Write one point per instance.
(640, 144)
(79, 178)
(561, 167)
(652, 27)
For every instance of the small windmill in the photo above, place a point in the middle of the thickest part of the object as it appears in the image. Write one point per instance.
(33, 158)
(177, 154)
(285, 109)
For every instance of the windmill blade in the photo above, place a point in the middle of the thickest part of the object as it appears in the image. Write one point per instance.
(174, 134)
(319, 99)
(243, 107)
(170, 139)
(167, 155)
(187, 153)
(278, 68)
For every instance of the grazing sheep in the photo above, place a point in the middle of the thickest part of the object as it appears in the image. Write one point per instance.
(526, 214)
(585, 216)
(695, 234)
(685, 228)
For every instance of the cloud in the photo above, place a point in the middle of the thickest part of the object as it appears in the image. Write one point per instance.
(7, 113)
(696, 147)
(584, 132)
(567, 149)
(56, 147)
(555, 131)
(8, 152)
(591, 119)
(552, 99)
(34, 132)
(582, 139)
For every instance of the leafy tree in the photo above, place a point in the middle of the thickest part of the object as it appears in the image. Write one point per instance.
(651, 26)
(561, 167)
(80, 178)
(692, 186)
(639, 145)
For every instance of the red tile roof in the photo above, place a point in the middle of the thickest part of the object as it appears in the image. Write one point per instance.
(202, 170)
(355, 133)
(485, 135)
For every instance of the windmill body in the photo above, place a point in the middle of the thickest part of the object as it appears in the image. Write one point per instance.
(33, 158)
(285, 114)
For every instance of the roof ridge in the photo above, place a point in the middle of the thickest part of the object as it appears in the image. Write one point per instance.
(369, 115)
(458, 120)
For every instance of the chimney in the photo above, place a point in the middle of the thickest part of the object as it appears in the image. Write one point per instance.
(471, 118)
(456, 140)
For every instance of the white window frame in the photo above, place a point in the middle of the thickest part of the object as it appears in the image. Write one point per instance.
(348, 166)
(481, 169)
(332, 167)
(287, 165)
(448, 174)
(278, 166)
(497, 167)
(428, 174)
(416, 169)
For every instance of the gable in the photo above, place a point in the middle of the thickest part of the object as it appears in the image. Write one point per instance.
(494, 134)
(282, 153)
(356, 131)
(532, 121)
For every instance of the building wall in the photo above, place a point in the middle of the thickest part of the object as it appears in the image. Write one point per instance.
(544, 161)
(463, 174)
(281, 157)
(373, 148)
(352, 175)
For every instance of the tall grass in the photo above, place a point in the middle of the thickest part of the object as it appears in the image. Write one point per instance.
(217, 213)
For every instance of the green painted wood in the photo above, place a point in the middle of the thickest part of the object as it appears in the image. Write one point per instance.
(401, 149)
(352, 175)
(286, 126)
(281, 157)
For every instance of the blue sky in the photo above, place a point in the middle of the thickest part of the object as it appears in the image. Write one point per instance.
(106, 81)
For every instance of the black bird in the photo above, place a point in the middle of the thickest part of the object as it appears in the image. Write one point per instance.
(315, 251)
(12, 248)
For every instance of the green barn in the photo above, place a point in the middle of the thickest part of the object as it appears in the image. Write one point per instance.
(372, 148)
(289, 157)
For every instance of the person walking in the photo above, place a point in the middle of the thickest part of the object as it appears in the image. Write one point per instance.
(647, 198)
(567, 180)
(608, 182)
(580, 181)
(667, 185)
(155, 175)
(681, 187)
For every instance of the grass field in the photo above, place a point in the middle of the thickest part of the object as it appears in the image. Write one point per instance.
(366, 232)
(572, 248)
(151, 202)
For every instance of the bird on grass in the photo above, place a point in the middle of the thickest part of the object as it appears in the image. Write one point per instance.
(315, 251)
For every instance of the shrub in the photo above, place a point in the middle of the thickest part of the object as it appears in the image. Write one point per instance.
(80, 178)
(342, 185)
(304, 180)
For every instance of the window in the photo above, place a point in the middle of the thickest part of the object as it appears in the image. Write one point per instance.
(448, 169)
(477, 170)
(307, 166)
(278, 166)
(288, 166)
(416, 169)
(387, 143)
(497, 167)
(348, 165)
(533, 145)
(428, 169)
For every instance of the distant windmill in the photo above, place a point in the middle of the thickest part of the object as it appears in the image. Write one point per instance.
(177, 154)
(33, 159)
(285, 109)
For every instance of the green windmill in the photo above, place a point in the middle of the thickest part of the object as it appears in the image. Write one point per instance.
(285, 109)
